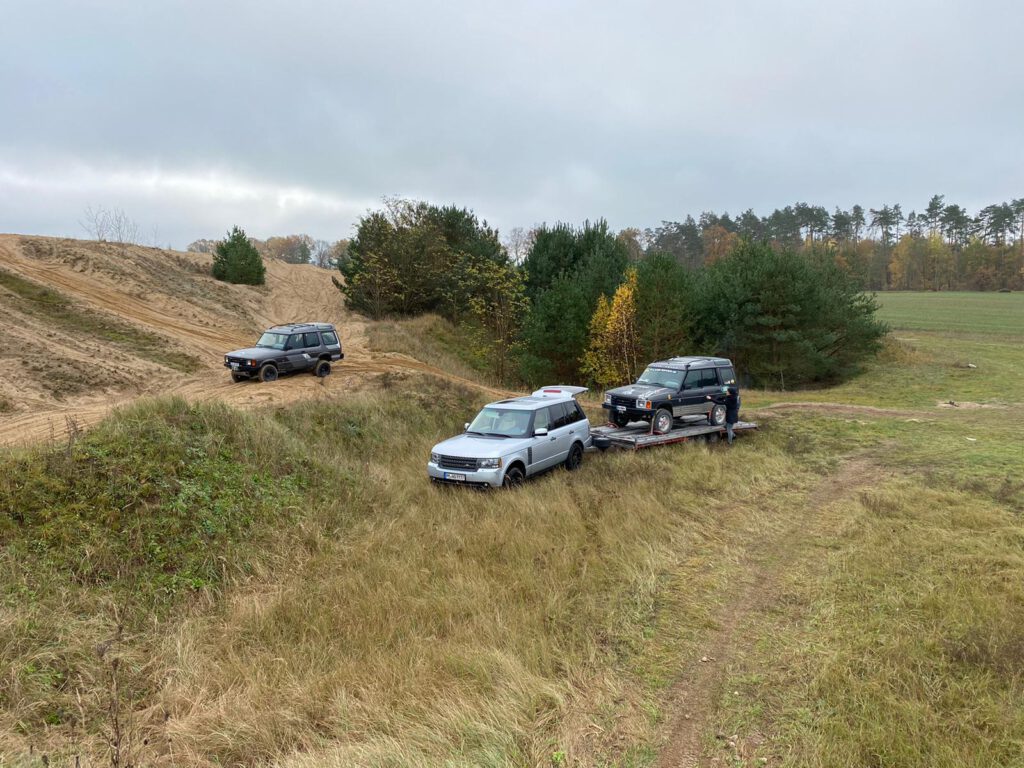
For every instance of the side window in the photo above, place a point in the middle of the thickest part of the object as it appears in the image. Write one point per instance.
(566, 414)
(692, 380)
(313, 339)
(710, 377)
(577, 412)
(330, 338)
(728, 375)
(294, 341)
(541, 420)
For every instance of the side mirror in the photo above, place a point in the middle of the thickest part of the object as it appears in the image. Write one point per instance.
(466, 426)
(541, 432)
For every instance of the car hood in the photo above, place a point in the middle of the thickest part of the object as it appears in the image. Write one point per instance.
(481, 447)
(255, 353)
(641, 391)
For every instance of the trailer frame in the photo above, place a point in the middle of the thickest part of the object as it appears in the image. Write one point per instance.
(638, 435)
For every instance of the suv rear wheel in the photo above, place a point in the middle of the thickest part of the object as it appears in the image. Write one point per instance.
(321, 369)
(575, 458)
(268, 372)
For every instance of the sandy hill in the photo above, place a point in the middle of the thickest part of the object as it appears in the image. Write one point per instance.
(90, 325)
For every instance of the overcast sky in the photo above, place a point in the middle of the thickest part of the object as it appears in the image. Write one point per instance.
(298, 116)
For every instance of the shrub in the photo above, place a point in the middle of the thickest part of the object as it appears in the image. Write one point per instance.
(236, 260)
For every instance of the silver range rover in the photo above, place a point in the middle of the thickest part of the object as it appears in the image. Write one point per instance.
(513, 439)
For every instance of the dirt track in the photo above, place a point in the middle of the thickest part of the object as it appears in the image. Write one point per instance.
(170, 295)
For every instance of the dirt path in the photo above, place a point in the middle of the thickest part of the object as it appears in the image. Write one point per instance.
(846, 409)
(692, 701)
(195, 318)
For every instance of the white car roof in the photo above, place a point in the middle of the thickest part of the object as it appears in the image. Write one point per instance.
(543, 396)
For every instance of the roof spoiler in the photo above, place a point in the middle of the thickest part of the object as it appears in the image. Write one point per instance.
(559, 389)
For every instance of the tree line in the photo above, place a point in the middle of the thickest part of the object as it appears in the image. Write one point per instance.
(293, 249)
(587, 304)
(942, 247)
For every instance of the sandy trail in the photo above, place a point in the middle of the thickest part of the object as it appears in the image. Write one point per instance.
(692, 700)
(203, 328)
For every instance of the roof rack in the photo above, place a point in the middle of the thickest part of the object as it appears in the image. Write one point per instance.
(304, 325)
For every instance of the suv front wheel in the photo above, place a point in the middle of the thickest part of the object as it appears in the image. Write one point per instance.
(513, 478)
(716, 417)
(662, 421)
(268, 372)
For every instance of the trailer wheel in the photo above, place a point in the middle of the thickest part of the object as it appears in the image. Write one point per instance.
(662, 421)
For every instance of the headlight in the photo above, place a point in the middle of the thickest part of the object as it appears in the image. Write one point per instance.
(645, 404)
(435, 457)
(608, 399)
(488, 463)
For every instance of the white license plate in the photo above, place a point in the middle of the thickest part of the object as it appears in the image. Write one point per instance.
(620, 408)
(234, 366)
(455, 476)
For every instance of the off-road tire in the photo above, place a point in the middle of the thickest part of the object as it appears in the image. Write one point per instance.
(513, 478)
(237, 377)
(620, 420)
(716, 416)
(268, 372)
(662, 422)
(575, 458)
(321, 369)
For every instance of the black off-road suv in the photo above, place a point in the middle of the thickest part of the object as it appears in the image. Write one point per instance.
(677, 388)
(286, 349)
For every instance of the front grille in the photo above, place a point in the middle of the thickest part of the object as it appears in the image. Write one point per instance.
(456, 462)
(623, 400)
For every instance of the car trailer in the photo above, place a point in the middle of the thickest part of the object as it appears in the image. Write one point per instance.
(639, 435)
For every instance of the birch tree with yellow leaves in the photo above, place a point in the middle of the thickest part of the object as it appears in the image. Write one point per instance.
(613, 354)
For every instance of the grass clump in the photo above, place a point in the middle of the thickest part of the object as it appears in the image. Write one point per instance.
(431, 339)
(153, 500)
(106, 539)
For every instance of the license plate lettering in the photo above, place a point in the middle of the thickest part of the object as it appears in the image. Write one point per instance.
(620, 408)
(458, 476)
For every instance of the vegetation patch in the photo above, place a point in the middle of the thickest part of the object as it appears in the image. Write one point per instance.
(429, 338)
(59, 312)
(975, 314)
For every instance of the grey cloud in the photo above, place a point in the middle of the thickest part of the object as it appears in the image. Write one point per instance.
(524, 111)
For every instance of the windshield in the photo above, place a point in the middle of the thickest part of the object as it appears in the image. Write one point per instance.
(662, 377)
(272, 340)
(505, 422)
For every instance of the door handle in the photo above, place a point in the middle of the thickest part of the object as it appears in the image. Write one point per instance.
(552, 439)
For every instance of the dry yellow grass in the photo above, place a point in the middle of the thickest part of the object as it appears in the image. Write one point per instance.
(841, 589)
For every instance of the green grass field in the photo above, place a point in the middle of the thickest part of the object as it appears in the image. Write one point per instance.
(843, 588)
(1000, 314)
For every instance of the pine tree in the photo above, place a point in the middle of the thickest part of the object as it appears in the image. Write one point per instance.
(236, 260)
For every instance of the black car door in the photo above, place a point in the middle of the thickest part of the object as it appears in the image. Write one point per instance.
(295, 352)
(691, 396)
